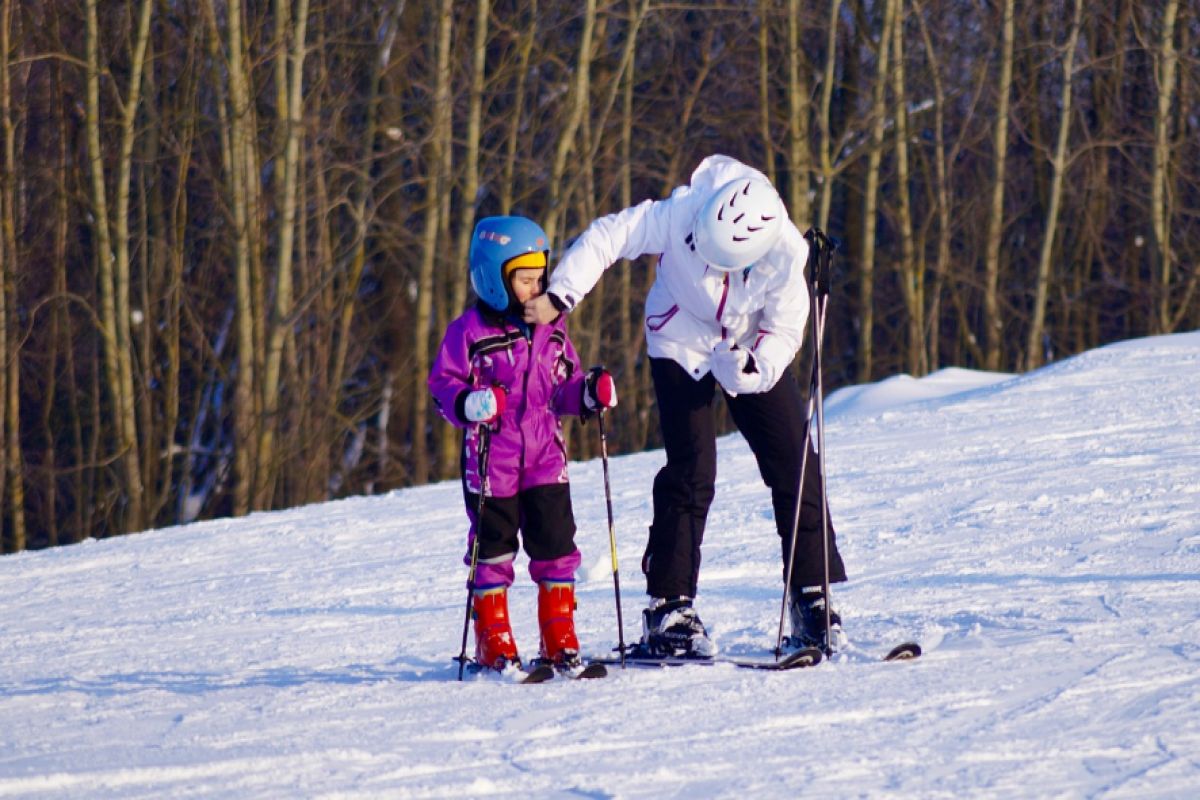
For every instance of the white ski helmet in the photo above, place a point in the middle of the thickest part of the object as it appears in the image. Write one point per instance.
(738, 224)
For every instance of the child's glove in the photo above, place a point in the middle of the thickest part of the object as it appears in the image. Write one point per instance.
(735, 370)
(599, 389)
(484, 405)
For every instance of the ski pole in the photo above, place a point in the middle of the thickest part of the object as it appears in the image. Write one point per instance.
(822, 252)
(485, 436)
(822, 295)
(612, 536)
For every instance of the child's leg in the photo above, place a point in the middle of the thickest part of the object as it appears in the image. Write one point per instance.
(548, 533)
(497, 539)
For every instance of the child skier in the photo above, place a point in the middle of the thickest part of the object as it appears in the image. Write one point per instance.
(494, 370)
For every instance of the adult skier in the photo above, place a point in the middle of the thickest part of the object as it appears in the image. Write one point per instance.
(727, 309)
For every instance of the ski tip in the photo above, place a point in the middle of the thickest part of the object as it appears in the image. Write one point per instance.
(590, 671)
(904, 652)
(810, 656)
(538, 674)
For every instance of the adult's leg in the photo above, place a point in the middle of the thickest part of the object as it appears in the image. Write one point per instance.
(683, 488)
(774, 426)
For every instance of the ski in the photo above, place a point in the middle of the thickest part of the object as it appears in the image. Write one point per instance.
(537, 673)
(585, 672)
(578, 671)
(807, 657)
(906, 651)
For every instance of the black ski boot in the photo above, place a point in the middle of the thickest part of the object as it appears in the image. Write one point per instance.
(671, 627)
(808, 623)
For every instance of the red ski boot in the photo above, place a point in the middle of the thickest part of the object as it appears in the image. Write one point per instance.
(494, 643)
(556, 609)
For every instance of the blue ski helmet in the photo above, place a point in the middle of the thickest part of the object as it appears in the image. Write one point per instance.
(495, 242)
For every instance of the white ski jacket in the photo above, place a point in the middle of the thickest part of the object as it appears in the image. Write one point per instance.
(692, 307)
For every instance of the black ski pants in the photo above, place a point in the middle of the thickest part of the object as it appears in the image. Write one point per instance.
(773, 424)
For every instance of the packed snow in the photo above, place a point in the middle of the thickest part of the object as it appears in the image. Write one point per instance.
(1038, 534)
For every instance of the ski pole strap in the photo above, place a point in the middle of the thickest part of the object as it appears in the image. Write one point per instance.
(820, 260)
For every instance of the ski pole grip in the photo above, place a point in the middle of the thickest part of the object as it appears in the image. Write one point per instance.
(820, 259)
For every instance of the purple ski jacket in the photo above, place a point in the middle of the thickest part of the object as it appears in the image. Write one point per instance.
(541, 376)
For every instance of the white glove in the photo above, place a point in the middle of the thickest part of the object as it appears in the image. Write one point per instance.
(729, 365)
(484, 405)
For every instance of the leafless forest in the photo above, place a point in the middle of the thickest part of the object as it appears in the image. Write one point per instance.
(233, 231)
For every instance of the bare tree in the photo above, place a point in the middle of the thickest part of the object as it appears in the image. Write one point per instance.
(290, 102)
(12, 495)
(871, 197)
(910, 272)
(437, 185)
(566, 138)
(1166, 60)
(993, 322)
(113, 250)
(1058, 162)
(799, 149)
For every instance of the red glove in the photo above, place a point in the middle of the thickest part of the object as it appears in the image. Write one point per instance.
(599, 389)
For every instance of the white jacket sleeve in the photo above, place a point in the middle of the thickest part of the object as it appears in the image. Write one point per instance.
(785, 315)
(638, 230)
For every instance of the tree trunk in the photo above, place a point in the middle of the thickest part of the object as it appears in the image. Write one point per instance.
(871, 200)
(555, 213)
(911, 276)
(449, 436)
(362, 194)
(764, 88)
(942, 193)
(1058, 162)
(437, 185)
(830, 73)
(992, 321)
(12, 491)
(799, 149)
(237, 120)
(291, 107)
(527, 40)
(114, 252)
(1165, 61)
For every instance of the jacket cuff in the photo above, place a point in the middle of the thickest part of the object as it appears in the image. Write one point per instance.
(460, 407)
(558, 303)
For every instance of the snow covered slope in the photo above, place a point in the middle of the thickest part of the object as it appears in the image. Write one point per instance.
(1039, 534)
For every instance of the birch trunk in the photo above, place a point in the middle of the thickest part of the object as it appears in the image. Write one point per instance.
(1058, 163)
(1166, 60)
(992, 321)
(799, 149)
(362, 193)
(826, 151)
(291, 106)
(912, 277)
(516, 119)
(566, 141)
(113, 253)
(764, 88)
(12, 484)
(448, 439)
(437, 186)
(871, 200)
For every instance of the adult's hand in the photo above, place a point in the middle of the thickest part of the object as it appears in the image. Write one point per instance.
(540, 311)
(735, 370)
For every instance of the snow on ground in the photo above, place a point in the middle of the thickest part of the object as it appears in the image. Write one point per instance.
(1040, 535)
